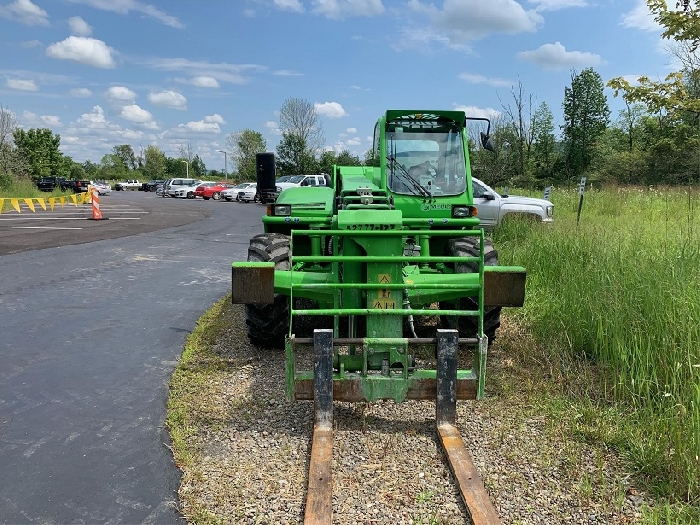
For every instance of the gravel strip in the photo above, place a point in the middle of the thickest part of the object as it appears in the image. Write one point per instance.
(253, 449)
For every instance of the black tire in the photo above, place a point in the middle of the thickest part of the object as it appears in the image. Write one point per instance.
(268, 324)
(190, 195)
(206, 198)
(216, 195)
(468, 326)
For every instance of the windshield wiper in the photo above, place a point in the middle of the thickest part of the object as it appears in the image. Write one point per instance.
(414, 183)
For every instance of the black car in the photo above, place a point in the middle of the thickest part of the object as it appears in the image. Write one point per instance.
(151, 185)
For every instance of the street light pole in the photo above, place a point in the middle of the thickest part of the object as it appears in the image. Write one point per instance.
(188, 167)
(225, 163)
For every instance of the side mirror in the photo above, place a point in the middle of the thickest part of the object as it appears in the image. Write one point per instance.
(486, 141)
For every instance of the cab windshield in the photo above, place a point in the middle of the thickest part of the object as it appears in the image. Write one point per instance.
(425, 162)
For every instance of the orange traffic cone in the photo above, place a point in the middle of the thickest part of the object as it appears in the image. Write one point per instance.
(96, 213)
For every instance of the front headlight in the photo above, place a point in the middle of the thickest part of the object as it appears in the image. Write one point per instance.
(282, 210)
(461, 212)
(550, 211)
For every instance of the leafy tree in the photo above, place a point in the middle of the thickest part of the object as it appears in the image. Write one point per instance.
(586, 116)
(112, 167)
(544, 143)
(371, 158)
(682, 23)
(39, 148)
(294, 157)
(344, 158)
(244, 145)
(91, 169)
(126, 153)
(197, 167)
(77, 172)
(155, 163)
(299, 116)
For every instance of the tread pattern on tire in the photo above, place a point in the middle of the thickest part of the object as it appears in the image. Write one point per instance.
(268, 324)
(468, 326)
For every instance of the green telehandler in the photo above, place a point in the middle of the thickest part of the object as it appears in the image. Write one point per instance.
(370, 253)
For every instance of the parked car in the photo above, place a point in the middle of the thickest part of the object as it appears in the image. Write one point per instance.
(151, 185)
(211, 190)
(131, 184)
(50, 183)
(103, 188)
(231, 194)
(493, 207)
(182, 188)
(76, 186)
(248, 194)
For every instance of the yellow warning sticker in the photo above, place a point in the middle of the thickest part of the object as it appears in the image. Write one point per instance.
(384, 278)
(384, 305)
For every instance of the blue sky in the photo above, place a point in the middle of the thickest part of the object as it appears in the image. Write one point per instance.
(106, 72)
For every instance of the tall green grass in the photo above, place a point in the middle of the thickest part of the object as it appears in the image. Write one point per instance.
(622, 290)
(25, 189)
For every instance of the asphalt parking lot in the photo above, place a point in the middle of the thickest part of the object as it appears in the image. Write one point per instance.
(125, 213)
(94, 320)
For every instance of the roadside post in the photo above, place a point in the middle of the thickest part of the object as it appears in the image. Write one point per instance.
(581, 188)
(547, 193)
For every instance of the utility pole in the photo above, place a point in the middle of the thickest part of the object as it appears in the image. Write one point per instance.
(188, 167)
(225, 163)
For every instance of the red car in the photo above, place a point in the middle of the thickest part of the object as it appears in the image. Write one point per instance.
(211, 190)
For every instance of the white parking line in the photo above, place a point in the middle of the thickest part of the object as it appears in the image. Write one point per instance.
(42, 228)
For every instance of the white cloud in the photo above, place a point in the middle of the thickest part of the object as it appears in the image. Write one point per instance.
(79, 27)
(477, 112)
(96, 117)
(85, 50)
(120, 95)
(124, 7)
(29, 44)
(215, 118)
(81, 92)
(168, 98)
(330, 109)
(51, 120)
(130, 134)
(204, 81)
(200, 126)
(290, 5)
(135, 113)
(221, 72)
(21, 85)
(25, 12)
(339, 9)
(287, 73)
(640, 18)
(555, 5)
(273, 127)
(351, 130)
(460, 21)
(555, 56)
(473, 78)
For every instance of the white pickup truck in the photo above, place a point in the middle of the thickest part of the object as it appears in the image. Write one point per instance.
(304, 180)
(131, 184)
(493, 207)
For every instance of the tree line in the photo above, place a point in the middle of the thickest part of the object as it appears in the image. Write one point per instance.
(654, 140)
